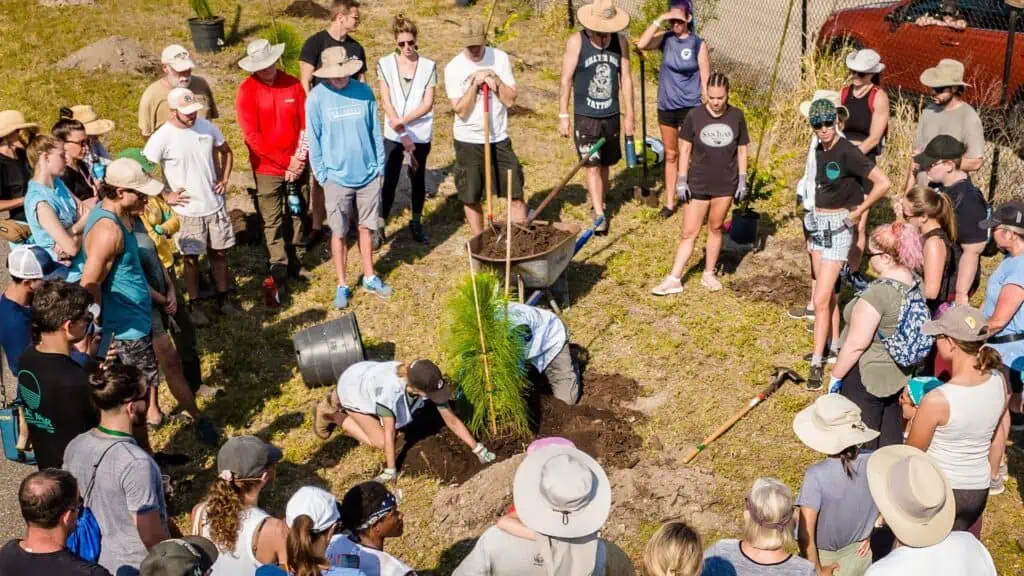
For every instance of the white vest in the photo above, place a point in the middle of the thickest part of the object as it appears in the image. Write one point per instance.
(421, 129)
(365, 384)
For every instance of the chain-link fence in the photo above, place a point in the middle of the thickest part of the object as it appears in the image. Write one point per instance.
(748, 37)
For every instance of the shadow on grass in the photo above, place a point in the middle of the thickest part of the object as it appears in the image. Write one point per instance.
(620, 192)
(451, 557)
(235, 33)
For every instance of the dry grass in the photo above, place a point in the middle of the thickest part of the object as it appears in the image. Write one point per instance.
(706, 353)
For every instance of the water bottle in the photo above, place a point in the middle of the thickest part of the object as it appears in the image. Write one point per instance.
(630, 152)
(294, 201)
(271, 298)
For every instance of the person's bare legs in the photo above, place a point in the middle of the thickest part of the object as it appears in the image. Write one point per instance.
(670, 138)
(219, 266)
(339, 254)
(597, 178)
(824, 299)
(518, 211)
(475, 217)
(170, 364)
(694, 213)
(364, 428)
(366, 250)
(857, 248)
(192, 276)
(154, 415)
(716, 221)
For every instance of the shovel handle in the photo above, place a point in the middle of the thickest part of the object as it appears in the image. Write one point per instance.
(554, 192)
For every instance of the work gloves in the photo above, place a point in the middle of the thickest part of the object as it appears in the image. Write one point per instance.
(683, 189)
(386, 476)
(741, 188)
(484, 455)
(835, 385)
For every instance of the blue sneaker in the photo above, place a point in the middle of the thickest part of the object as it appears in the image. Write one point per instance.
(341, 297)
(378, 287)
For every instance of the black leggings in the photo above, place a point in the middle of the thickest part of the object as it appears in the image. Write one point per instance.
(970, 505)
(394, 152)
(882, 414)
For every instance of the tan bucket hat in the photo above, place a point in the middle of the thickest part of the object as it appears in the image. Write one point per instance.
(947, 72)
(832, 424)
(913, 495)
(602, 16)
(94, 125)
(830, 95)
(336, 63)
(11, 120)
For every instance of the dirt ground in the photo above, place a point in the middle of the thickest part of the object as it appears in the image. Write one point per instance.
(778, 274)
(113, 54)
(537, 240)
(307, 9)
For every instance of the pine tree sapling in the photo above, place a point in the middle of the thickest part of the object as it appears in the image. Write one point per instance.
(505, 353)
(201, 9)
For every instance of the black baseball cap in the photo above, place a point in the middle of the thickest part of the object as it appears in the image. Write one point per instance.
(1010, 214)
(426, 377)
(942, 147)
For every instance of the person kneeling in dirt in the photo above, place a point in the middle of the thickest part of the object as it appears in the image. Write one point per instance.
(374, 399)
(547, 349)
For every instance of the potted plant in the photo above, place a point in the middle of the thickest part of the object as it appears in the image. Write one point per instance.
(207, 29)
(485, 355)
(762, 183)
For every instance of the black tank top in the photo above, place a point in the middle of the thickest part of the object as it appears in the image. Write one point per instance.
(858, 126)
(596, 83)
(947, 290)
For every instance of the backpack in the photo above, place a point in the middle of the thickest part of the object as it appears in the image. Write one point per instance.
(85, 540)
(844, 93)
(908, 345)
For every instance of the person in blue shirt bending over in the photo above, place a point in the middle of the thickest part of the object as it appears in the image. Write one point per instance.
(346, 153)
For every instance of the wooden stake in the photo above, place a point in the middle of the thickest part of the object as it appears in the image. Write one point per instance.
(508, 232)
(483, 344)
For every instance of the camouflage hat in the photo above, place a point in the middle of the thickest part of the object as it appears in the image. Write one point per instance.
(822, 110)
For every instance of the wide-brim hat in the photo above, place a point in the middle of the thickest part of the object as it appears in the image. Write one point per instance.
(912, 494)
(12, 120)
(94, 125)
(336, 63)
(832, 424)
(677, 13)
(562, 492)
(260, 55)
(947, 72)
(865, 61)
(830, 95)
(602, 16)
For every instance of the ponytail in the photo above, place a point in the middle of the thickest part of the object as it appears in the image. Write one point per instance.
(986, 358)
(304, 557)
(931, 203)
(847, 458)
(223, 512)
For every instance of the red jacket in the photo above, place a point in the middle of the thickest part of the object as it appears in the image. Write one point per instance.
(271, 118)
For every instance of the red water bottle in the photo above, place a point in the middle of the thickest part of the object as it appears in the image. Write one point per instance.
(270, 295)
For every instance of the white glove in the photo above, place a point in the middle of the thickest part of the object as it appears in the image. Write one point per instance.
(683, 190)
(484, 455)
(741, 188)
(386, 476)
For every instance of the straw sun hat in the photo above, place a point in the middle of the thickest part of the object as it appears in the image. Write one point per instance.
(602, 16)
(94, 125)
(336, 63)
(12, 120)
(832, 424)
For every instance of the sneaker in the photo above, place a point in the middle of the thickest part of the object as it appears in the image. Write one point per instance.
(417, 232)
(670, 285)
(205, 391)
(815, 377)
(323, 426)
(708, 280)
(341, 297)
(830, 359)
(665, 213)
(601, 230)
(800, 313)
(206, 433)
(198, 318)
(996, 487)
(378, 287)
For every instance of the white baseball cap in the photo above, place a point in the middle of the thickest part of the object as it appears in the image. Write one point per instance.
(320, 505)
(29, 263)
(184, 101)
(177, 57)
(127, 173)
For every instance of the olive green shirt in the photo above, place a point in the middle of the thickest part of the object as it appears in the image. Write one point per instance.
(881, 375)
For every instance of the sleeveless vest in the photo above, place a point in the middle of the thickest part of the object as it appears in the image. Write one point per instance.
(421, 129)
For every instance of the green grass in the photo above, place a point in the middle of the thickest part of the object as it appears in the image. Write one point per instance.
(709, 352)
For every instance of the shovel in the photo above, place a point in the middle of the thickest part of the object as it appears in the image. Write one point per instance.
(487, 157)
(525, 226)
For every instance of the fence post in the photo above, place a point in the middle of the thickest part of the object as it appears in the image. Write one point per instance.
(803, 27)
(572, 17)
(993, 180)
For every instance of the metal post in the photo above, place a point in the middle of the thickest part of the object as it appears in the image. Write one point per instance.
(643, 125)
(993, 180)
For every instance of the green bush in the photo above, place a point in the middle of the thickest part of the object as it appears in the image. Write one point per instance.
(282, 32)
(505, 352)
(201, 9)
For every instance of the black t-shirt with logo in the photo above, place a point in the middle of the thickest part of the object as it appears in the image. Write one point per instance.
(714, 170)
(970, 209)
(14, 176)
(841, 170)
(15, 560)
(55, 392)
(317, 43)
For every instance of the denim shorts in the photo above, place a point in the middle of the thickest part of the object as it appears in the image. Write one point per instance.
(819, 227)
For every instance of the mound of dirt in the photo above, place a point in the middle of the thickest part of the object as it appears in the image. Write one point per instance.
(537, 241)
(306, 9)
(113, 53)
(780, 273)
(600, 426)
(63, 3)
(782, 288)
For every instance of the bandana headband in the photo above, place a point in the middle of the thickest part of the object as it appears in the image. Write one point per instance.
(388, 504)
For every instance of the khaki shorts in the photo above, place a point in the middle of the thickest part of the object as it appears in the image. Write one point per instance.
(340, 202)
(200, 234)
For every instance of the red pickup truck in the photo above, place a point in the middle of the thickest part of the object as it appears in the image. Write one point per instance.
(894, 30)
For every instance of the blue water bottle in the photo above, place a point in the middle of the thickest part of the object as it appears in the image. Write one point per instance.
(294, 201)
(630, 152)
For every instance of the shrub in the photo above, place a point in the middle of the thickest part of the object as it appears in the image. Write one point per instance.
(201, 9)
(281, 32)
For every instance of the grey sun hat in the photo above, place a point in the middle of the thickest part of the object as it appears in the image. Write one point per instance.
(245, 457)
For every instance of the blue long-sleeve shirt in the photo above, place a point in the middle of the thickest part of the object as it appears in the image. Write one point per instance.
(345, 143)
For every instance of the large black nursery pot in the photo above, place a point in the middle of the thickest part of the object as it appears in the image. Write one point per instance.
(743, 229)
(324, 351)
(207, 35)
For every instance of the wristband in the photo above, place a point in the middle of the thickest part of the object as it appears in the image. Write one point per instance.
(563, 116)
(656, 23)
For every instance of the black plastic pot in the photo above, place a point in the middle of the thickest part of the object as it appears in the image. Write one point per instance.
(207, 35)
(324, 351)
(743, 229)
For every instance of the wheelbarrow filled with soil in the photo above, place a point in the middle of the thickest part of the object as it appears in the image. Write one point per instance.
(539, 255)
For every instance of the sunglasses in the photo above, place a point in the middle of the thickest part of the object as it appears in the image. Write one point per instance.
(868, 254)
(941, 89)
(861, 74)
(76, 142)
(820, 125)
(407, 43)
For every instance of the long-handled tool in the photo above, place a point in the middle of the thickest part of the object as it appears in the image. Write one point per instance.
(487, 155)
(554, 191)
(642, 189)
(779, 377)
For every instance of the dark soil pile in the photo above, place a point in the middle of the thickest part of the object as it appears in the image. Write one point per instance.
(779, 288)
(599, 425)
(306, 9)
(539, 240)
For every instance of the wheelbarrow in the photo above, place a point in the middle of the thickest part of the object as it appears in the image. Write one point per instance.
(539, 271)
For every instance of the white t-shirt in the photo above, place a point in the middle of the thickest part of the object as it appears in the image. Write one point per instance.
(371, 562)
(186, 157)
(456, 82)
(548, 334)
(958, 555)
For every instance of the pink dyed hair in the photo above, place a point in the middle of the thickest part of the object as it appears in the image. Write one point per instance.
(902, 242)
